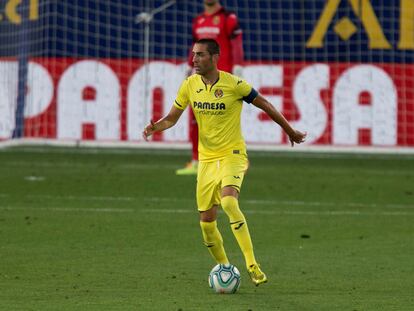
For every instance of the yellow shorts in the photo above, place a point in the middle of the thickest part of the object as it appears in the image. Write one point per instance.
(213, 176)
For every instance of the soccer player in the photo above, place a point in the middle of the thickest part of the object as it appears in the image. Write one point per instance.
(223, 26)
(216, 98)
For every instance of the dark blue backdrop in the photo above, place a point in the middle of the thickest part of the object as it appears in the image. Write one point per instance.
(273, 30)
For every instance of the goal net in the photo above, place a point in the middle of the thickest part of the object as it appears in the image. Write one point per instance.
(98, 71)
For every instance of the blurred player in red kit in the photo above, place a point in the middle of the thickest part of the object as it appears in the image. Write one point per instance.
(223, 26)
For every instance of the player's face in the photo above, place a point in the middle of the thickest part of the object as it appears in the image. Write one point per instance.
(203, 61)
(210, 2)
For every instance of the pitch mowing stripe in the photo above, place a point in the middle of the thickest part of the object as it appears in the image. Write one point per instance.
(346, 204)
(189, 211)
(299, 213)
(192, 201)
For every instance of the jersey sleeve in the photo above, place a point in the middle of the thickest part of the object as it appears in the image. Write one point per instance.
(181, 101)
(232, 25)
(245, 90)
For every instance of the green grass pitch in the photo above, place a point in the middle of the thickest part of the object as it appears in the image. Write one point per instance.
(93, 229)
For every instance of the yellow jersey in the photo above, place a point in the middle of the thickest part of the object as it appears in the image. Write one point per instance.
(217, 109)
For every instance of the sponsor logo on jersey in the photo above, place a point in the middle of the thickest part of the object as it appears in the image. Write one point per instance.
(208, 31)
(209, 106)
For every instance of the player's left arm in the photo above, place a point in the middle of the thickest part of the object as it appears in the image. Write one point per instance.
(295, 136)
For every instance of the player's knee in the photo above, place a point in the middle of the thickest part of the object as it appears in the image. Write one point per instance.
(230, 206)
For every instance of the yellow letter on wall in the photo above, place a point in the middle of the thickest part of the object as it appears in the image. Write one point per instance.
(34, 10)
(406, 25)
(11, 11)
(363, 9)
(316, 39)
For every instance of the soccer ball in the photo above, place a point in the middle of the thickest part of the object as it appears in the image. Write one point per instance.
(224, 279)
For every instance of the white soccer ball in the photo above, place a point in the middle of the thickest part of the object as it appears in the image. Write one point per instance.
(224, 279)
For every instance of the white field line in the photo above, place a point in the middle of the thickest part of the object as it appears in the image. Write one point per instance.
(68, 209)
(275, 211)
(43, 145)
(82, 198)
(82, 165)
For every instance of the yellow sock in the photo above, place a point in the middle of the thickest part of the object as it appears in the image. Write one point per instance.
(239, 227)
(214, 241)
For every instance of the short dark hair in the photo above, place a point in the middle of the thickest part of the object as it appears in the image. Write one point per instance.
(212, 45)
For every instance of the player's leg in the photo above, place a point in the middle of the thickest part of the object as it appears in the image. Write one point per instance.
(208, 199)
(191, 167)
(238, 224)
(233, 172)
(211, 235)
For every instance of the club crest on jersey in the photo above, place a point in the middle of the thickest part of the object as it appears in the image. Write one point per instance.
(218, 93)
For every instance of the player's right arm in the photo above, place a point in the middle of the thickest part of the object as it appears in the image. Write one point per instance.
(165, 123)
(172, 117)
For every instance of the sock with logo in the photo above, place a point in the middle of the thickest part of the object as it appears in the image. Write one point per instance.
(214, 241)
(239, 227)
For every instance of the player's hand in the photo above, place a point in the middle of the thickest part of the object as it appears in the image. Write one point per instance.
(297, 137)
(148, 130)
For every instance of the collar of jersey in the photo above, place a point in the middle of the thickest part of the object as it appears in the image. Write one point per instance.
(218, 78)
